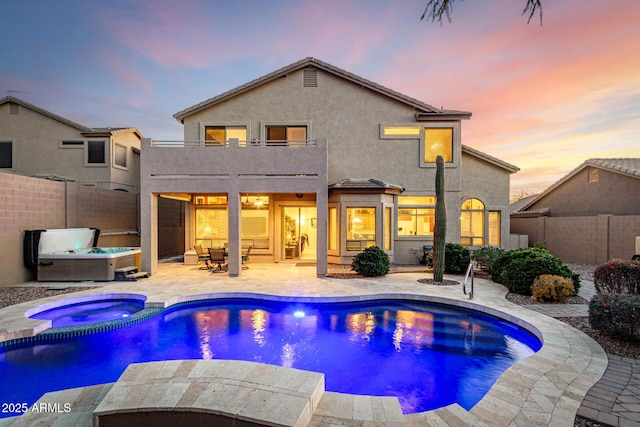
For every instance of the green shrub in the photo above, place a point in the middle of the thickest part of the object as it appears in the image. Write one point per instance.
(517, 269)
(487, 256)
(617, 315)
(456, 258)
(551, 288)
(373, 261)
(618, 276)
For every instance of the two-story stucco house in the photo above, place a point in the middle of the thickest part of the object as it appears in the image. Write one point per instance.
(313, 163)
(37, 142)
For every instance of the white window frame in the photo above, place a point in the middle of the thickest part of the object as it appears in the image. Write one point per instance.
(126, 156)
(230, 124)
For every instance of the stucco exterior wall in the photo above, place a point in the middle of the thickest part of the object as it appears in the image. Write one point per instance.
(348, 116)
(37, 149)
(579, 197)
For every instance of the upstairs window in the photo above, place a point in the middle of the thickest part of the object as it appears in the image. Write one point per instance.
(438, 141)
(6, 155)
(400, 132)
(120, 156)
(286, 135)
(96, 153)
(220, 135)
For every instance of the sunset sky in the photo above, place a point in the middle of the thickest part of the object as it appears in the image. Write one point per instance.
(544, 98)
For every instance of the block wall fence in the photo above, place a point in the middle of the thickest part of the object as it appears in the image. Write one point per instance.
(585, 239)
(31, 203)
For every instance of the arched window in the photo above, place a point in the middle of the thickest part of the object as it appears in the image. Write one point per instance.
(472, 223)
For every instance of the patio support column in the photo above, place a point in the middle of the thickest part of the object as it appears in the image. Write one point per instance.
(235, 247)
(149, 232)
(322, 207)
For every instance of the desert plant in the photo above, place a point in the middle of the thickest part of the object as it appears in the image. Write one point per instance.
(618, 276)
(373, 261)
(440, 227)
(617, 315)
(517, 269)
(551, 288)
(486, 256)
(456, 258)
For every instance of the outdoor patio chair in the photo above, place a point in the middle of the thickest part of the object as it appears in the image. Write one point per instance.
(217, 261)
(245, 258)
(203, 258)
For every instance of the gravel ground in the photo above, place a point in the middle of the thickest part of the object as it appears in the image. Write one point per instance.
(15, 295)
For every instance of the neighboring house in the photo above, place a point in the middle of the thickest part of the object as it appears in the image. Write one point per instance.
(313, 163)
(36, 142)
(590, 215)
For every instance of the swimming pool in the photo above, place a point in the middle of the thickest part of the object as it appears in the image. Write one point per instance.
(428, 355)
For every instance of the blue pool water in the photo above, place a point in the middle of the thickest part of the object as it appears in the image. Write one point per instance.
(88, 312)
(428, 355)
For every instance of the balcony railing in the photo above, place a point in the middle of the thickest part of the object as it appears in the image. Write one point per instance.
(237, 143)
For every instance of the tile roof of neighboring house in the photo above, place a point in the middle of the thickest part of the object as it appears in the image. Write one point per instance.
(108, 131)
(519, 204)
(86, 131)
(479, 154)
(361, 184)
(423, 110)
(628, 167)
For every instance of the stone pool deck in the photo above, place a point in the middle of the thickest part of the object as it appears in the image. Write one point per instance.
(547, 388)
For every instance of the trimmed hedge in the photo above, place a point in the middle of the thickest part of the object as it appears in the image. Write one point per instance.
(456, 258)
(617, 315)
(371, 262)
(517, 269)
(618, 276)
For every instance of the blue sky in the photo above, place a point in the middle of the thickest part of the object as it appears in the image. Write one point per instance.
(544, 98)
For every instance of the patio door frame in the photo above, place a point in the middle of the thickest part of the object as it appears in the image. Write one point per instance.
(279, 220)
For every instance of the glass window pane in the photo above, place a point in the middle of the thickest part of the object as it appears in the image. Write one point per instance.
(211, 227)
(239, 133)
(494, 228)
(120, 155)
(416, 200)
(387, 229)
(333, 229)
(401, 130)
(96, 152)
(277, 133)
(438, 141)
(297, 134)
(6, 154)
(361, 227)
(214, 135)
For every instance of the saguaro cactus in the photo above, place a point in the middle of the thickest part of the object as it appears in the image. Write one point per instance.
(440, 230)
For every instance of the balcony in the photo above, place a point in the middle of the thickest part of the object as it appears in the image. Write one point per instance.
(195, 165)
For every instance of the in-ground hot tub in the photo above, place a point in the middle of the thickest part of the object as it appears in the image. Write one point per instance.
(68, 255)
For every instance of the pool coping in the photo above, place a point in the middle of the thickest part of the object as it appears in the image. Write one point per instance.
(546, 388)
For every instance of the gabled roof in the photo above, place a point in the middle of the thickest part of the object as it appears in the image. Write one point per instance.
(487, 158)
(629, 167)
(423, 111)
(86, 131)
(11, 99)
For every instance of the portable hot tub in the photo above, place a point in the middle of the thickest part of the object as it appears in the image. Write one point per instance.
(70, 255)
